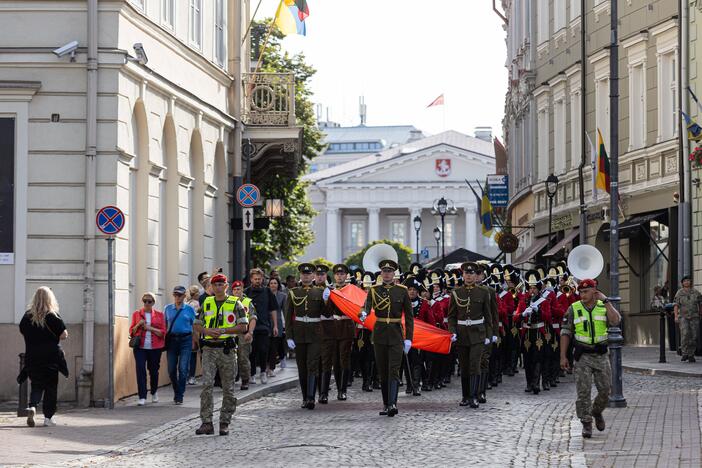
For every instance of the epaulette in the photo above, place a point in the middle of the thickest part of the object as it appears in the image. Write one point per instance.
(401, 285)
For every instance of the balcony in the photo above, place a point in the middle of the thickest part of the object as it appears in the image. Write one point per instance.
(268, 115)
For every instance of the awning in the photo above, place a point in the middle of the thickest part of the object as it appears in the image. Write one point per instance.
(630, 227)
(564, 242)
(531, 251)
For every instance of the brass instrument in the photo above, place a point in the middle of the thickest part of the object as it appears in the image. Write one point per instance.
(565, 289)
(513, 291)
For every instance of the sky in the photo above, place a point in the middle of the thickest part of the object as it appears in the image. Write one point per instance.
(402, 54)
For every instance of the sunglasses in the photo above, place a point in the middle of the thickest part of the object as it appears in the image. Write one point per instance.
(178, 294)
(147, 301)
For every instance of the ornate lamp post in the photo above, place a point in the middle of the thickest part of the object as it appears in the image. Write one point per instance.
(442, 208)
(437, 237)
(417, 228)
(551, 189)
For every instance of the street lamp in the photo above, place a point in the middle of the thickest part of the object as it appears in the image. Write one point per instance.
(417, 227)
(274, 208)
(437, 236)
(442, 207)
(551, 189)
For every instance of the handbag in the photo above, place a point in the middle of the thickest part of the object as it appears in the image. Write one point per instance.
(134, 341)
(168, 333)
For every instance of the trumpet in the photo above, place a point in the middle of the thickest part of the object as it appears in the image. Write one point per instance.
(566, 289)
(513, 291)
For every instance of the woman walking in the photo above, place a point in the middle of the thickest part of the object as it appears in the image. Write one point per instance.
(149, 325)
(43, 329)
(276, 350)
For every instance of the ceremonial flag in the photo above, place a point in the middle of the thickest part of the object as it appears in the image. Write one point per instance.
(437, 102)
(290, 17)
(486, 213)
(694, 131)
(602, 164)
(593, 163)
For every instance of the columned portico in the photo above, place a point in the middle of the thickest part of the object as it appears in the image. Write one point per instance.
(471, 228)
(333, 238)
(373, 224)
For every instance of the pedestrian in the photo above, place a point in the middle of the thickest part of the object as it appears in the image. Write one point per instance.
(290, 282)
(149, 325)
(244, 341)
(221, 319)
(390, 302)
(266, 306)
(304, 307)
(192, 299)
(586, 321)
(43, 329)
(179, 341)
(276, 350)
(687, 315)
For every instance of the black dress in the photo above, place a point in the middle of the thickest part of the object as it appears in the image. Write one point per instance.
(43, 353)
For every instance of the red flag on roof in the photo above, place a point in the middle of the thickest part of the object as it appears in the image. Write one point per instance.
(438, 101)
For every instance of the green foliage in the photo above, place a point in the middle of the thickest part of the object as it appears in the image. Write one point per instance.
(404, 254)
(287, 269)
(288, 236)
(322, 261)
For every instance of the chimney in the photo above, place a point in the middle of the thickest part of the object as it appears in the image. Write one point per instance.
(415, 135)
(484, 133)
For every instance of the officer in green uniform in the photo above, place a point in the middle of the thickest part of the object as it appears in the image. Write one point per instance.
(304, 331)
(494, 326)
(390, 302)
(586, 321)
(340, 340)
(687, 316)
(471, 326)
(222, 318)
(328, 347)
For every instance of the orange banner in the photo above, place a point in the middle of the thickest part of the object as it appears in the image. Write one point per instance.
(350, 300)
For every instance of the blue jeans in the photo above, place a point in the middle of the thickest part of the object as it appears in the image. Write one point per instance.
(179, 363)
(144, 358)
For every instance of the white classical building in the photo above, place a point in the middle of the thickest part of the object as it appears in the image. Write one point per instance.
(378, 196)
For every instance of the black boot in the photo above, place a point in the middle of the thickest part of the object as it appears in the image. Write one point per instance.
(465, 391)
(303, 387)
(474, 381)
(311, 389)
(393, 387)
(341, 396)
(483, 385)
(324, 388)
(384, 391)
(536, 378)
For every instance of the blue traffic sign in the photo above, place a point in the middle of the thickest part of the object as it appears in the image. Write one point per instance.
(248, 195)
(110, 220)
(425, 253)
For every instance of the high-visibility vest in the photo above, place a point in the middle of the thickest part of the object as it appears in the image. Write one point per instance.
(590, 326)
(246, 302)
(225, 317)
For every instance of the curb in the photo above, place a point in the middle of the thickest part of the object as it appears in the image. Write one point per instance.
(651, 371)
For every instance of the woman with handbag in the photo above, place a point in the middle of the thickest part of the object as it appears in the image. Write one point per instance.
(43, 329)
(147, 332)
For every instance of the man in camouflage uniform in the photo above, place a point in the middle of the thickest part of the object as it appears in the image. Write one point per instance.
(586, 321)
(687, 315)
(222, 318)
(243, 349)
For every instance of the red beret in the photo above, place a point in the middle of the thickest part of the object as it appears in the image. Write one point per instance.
(237, 283)
(218, 278)
(587, 283)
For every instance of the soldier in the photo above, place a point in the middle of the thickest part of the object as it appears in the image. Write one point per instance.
(494, 327)
(439, 310)
(390, 302)
(364, 343)
(514, 288)
(470, 323)
(687, 314)
(420, 311)
(221, 318)
(321, 280)
(243, 349)
(304, 331)
(328, 347)
(587, 321)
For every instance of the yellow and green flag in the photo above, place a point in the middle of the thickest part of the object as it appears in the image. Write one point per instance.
(486, 213)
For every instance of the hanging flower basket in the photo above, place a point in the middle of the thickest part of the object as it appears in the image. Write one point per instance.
(508, 242)
(696, 157)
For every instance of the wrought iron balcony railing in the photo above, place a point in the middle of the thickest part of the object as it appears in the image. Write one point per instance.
(269, 99)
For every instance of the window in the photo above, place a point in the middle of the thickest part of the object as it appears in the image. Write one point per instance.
(195, 33)
(542, 20)
(449, 233)
(358, 235)
(398, 231)
(168, 13)
(559, 136)
(221, 32)
(667, 125)
(139, 4)
(574, 10)
(637, 107)
(657, 274)
(559, 15)
(543, 144)
(602, 109)
(7, 184)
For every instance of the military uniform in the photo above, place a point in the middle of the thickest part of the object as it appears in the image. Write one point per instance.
(470, 320)
(489, 349)
(243, 350)
(219, 354)
(390, 303)
(303, 327)
(339, 331)
(688, 302)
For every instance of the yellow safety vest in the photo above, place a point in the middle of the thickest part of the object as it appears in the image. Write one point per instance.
(590, 326)
(225, 317)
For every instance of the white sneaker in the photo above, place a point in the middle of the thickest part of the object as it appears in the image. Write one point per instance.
(154, 398)
(49, 422)
(31, 412)
(270, 373)
(252, 380)
(283, 363)
(264, 378)
(191, 381)
(141, 402)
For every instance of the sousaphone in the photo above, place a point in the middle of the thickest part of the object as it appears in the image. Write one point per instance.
(377, 254)
(585, 261)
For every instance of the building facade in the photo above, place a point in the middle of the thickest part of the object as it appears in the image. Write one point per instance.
(377, 197)
(156, 133)
(551, 85)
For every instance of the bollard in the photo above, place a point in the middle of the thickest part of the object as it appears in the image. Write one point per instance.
(665, 312)
(23, 399)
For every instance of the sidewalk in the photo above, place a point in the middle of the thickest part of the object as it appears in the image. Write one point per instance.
(644, 360)
(97, 431)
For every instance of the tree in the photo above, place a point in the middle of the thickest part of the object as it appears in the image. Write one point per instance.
(288, 236)
(404, 254)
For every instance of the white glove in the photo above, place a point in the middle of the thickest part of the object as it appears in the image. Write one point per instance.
(291, 344)
(408, 345)
(494, 339)
(527, 312)
(453, 338)
(326, 294)
(487, 341)
(363, 316)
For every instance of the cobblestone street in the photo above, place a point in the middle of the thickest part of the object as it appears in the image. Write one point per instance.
(660, 427)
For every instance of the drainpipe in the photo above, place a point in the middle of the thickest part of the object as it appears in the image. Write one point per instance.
(235, 163)
(583, 147)
(85, 379)
(686, 199)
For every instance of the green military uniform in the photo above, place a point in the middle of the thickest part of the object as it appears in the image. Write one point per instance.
(390, 302)
(337, 345)
(588, 329)
(688, 302)
(470, 319)
(328, 345)
(218, 354)
(303, 326)
(489, 349)
(243, 350)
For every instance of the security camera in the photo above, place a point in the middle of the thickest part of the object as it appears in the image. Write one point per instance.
(140, 53)
(69, 48)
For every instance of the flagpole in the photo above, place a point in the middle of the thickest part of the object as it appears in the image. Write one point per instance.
(265, 41)
(248, 28)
